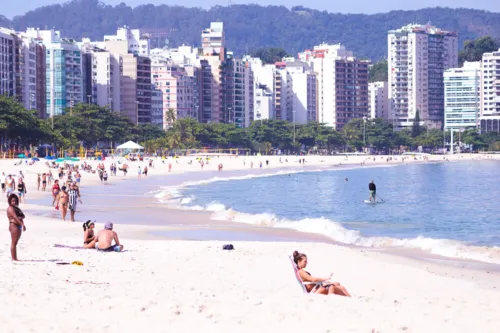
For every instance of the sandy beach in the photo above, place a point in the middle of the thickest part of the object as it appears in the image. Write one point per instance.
(189, 286)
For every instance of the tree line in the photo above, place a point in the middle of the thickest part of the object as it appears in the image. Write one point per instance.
(91, 125)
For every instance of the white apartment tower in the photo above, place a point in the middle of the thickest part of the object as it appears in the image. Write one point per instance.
(303, 94)
(462, 96)
(417, 57)
(213, 39)
(137, 42)
(379, 100)
(490, 92)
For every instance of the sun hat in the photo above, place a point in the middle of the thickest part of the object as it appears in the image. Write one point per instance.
(108, 226)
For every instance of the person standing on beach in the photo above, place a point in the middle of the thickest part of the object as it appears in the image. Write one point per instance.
(21, 190)
(55, 194)
(139, 172)
(373, 191)
(63, 201)
(38, 181)
(16, 224)
(105, 238)
(74, 198)
(44, 182)
(10, 184)
(3, 180)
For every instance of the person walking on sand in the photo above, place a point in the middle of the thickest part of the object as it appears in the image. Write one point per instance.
(3, 180)
(373, 191)
(38, 181)
(10, 184)
(55, 194)
(105, 238)
(139, 172)
(63, 202)
(74, 198)
(21, 190)
(16, 224)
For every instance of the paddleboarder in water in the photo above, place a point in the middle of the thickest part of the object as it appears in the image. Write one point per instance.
(373, 191)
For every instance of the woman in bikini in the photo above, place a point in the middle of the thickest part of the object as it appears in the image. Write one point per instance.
(16, 224)
(88, 235)
(63, 202)
(324, 286)
(21, 190)
(55, 194)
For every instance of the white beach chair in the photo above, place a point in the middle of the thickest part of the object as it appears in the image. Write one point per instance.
(299, 279)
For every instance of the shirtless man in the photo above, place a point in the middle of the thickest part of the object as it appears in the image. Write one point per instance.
(105, 238)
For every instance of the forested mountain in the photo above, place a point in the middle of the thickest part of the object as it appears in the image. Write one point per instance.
(249, 27)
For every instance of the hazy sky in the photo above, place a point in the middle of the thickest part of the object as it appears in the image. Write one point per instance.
(11, 8)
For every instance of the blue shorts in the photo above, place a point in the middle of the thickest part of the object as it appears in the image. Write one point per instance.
(112, 248)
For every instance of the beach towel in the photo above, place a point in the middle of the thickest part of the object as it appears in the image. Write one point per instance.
(70, 247)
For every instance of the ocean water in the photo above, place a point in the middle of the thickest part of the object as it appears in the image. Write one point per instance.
(449, 209)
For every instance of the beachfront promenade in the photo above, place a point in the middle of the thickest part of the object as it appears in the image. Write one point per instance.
(163, 285)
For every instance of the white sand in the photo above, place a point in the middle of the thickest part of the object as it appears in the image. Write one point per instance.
(181, 286)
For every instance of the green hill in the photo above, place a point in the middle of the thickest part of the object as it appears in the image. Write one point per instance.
(249, 27)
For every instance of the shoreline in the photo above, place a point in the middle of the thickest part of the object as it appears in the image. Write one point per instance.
(209, 225)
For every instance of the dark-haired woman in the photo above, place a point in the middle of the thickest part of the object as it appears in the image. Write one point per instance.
(16, 224)
(326, 287)
(88, 235)
(63, 199)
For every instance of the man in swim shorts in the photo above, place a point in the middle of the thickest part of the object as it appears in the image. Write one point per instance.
(105, 239)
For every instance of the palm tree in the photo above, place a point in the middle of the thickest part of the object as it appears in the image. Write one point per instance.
(170, 116)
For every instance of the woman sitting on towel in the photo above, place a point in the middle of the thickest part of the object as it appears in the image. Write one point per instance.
(88, 235)
(324, 286)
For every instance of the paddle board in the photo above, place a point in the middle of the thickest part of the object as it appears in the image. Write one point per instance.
(372, 202)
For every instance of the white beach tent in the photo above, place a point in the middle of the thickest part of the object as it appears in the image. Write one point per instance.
(130, 145)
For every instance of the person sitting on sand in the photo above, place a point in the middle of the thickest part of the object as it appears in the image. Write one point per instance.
(326, 287)
(105, 239)
(89, 239)
(16, 224)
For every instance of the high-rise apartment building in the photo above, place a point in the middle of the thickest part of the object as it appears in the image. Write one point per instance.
(176, 87)
(137, 42)
(342, 84)
(490, 92)
(7, 63)
(303, 92)
(379, 100)
(213, 40)
(63, 68)
(418, 55)
(135, 82)
(462, 96)
(102, 76)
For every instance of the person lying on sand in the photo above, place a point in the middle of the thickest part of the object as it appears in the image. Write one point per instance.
(89, 239)
(327, 287)
(105, 239)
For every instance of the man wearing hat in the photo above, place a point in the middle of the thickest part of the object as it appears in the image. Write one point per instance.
(105, 238)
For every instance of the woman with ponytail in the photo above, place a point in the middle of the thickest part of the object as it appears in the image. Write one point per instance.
(325, 286)
(88, 235)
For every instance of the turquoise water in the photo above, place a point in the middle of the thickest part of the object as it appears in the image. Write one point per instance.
(424, 203)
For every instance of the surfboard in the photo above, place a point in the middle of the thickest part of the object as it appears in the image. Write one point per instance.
(372, 202)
